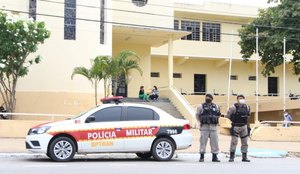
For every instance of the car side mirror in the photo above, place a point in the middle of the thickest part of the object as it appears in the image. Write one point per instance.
(90, 119)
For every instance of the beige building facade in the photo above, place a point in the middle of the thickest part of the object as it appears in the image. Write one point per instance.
(182, 47)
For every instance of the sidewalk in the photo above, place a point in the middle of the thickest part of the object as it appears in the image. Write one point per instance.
(17, 145)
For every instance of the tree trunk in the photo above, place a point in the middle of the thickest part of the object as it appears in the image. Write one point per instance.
(96, 94)
(115, 86)
(105, 89)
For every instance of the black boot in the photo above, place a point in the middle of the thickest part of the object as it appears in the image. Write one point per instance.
(245, 159)
(215, 158)
(231, 158)
(201, 157)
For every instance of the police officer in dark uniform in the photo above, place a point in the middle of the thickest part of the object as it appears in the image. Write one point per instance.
(208, 116)
(239, 114)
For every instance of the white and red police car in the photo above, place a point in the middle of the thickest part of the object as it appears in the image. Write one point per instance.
(126, 127)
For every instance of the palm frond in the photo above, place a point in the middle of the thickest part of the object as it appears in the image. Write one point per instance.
(81, 71)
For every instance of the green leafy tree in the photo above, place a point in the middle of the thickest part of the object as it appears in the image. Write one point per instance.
(122, 64)
(274, 23)
(19, 37)
(105, 65)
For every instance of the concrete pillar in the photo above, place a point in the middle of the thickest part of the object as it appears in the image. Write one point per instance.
(170, 62)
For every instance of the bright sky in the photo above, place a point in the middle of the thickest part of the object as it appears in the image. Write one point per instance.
(244, 2)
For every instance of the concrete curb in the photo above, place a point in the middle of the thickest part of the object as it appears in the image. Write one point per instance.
(132, 155)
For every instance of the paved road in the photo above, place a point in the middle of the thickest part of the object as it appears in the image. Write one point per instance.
(129, 164)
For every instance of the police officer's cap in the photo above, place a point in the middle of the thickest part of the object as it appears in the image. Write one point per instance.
(209, 95)
(240, 96)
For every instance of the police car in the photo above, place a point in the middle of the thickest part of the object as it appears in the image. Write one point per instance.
(126, 127)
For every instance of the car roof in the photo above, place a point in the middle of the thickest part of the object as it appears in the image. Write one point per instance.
(160, 111)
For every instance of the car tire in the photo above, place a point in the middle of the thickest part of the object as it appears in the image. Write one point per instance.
(62, 149)
(163, 149)
(145, 155)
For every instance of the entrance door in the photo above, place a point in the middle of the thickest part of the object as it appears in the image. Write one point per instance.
(199, 84)
(122, 87)
(273, 86)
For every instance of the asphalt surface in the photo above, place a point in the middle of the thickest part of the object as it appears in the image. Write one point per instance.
(129, 164)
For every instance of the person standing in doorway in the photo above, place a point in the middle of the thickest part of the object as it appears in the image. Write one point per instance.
(239, 115)
(208, 116)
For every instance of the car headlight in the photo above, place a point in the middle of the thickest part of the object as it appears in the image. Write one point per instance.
(38, 130)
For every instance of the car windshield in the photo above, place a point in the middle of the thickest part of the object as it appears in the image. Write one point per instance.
(82, 113)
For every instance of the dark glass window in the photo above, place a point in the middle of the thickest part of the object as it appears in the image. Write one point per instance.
(176, 24)
(139, 114)
(211, 32)
(102, 18)
(193, 27)
(140, 3)
(32, 9)
(70, 20)
(177, 75)
(252, 78)
(154, 74)
(108, 114)
(233, 77)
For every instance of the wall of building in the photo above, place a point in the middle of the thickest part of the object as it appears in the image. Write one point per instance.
(48, 87)
(142, 16)
(217, 76)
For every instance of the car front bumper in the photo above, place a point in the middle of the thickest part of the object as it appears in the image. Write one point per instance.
(38, 143)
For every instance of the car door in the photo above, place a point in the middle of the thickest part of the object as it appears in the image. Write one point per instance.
(103, 133)
(142, 127)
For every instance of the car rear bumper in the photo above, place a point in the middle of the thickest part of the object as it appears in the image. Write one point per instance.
(183, 140)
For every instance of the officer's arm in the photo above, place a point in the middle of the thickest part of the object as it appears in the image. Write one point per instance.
(219, 111)
(249, 113)
(198, 113)
(231, 110)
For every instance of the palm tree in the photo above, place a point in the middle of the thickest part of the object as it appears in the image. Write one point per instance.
(94, 74)
(106, 70)
(122, 64)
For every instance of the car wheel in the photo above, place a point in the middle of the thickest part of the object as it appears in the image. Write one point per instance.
(163, 149)
(145, 155)
(62, 149)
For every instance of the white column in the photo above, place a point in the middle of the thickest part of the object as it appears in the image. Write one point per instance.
(170, 62)
(257, 77)
(284, 80)
(229, 71)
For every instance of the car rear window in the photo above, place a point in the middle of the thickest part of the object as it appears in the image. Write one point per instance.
(140, 114)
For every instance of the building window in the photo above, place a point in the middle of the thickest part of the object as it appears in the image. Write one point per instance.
(154, 74)
(70, 20)
(32, 9)
(252, 78)
(193, 27)
(140, 3)
(233, 77)
(176, 24)
(177, 75)
(102, 15)
(211, 32)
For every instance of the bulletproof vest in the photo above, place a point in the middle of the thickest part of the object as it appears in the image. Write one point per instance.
(240, 118)
(210, 114)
